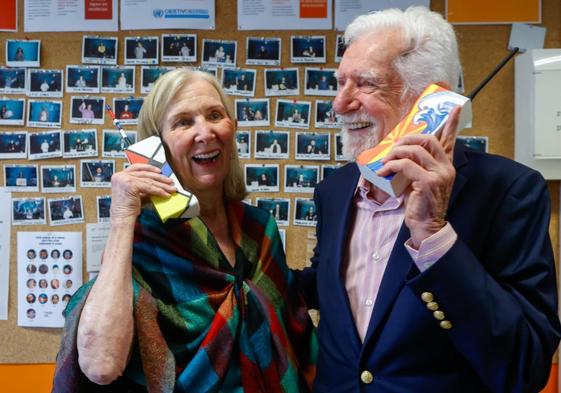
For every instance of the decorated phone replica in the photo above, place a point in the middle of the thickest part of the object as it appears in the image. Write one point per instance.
(182, 204)
(428, 116)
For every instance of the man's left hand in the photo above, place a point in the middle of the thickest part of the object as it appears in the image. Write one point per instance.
(427, 161)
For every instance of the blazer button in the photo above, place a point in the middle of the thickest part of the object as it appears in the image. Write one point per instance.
(438, 315)
(366, 377)
(446, 324)
(427, 297)
(433, 306)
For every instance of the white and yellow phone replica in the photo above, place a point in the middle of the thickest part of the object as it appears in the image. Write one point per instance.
(181, 204)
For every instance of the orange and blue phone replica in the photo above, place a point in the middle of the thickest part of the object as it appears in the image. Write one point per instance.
(182, 203)
(428, 116)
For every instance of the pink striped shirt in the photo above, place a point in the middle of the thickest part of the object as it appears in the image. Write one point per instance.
(369, 250)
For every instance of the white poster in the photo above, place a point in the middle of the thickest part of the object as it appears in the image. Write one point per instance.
(347, 10)
(285, 15)
(96, 237)
(83, 15)
(167, 14)
(4, 253)
(49, 272)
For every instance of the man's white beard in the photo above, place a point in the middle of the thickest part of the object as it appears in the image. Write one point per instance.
(355, 141)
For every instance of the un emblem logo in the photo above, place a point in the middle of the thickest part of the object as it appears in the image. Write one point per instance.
(158, 13)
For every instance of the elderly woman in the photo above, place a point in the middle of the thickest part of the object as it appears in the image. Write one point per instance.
(198, 305)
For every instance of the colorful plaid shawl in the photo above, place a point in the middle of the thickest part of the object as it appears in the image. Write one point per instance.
(202, 325)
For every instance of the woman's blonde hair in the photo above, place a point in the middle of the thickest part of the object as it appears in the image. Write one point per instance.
(160, 98)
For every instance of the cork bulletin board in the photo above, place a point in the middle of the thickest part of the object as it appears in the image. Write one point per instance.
(481, 48)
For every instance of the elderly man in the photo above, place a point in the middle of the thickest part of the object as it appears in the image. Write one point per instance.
(451, 286)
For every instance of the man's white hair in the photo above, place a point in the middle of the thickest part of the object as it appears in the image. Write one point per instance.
(431, 53)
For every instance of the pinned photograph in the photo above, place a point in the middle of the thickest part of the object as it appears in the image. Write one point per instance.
(307, 49)
(300, 178)
(12, 80)
(21, 178)
(212, 70)
(282, 82)
(293, 114)
(66, 210)
(326, 116)
(305, 212)
(252, 112)
(262, 177)
(263, 51)
(320, 82)
(239, 82)
(96, 173)
(28, 211)
(313, 146)
(327, 170)
(127, 109)
(12, 111)
(87, 110)
(339, 48)
(219, 53)
(477, 143)
(45, 83)
(82, 79)
(103, 208)
(114, 144)
(243, 142)
(44, 145)
(117, 79)
(44, 114)
(23, 53)
(79, 143)
(99, 50)
(272, 144)
(13, 145)
(339, 156)
(179, 48)
(58, 178)
(149, 75)
(279, 208)
(141, 50)
(282, 233)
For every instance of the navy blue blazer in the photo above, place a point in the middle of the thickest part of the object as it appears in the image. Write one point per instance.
(496, 286)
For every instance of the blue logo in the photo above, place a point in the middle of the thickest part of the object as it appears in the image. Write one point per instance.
(158, 13)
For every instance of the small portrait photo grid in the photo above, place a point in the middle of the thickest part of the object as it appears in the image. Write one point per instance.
(282, 82)
(12, 80)
(239, 82)
(320, 82)
(23, 53)
(117, 79)
(219, 52)
(293, 114)
(79, 143)
(313, 146)
(114, 144)
(67, 210)
(263, 51)
(96, 173)
(243, 142)
(279, 208)
(141, 50)
(149, 75)
(103, 208)
(44, 145)
(12, 111)
(28, 211)
(45, 83)
(21, 178)
(305, 212)
(308, 49)
(82, 79)
(326, 116)
(262, 178)
(272, 144)
(252, 112)
(99, 50)
(300, 178)
(13, 144)
(44, 114)
(87, 110)
(179, 48)
(58, 178)
(127, 109)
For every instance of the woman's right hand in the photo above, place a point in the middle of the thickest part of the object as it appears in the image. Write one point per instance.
(133, 185)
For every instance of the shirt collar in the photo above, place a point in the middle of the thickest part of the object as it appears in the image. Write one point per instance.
(361, 194)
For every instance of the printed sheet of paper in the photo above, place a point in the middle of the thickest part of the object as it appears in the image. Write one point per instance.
(285, 14)
(5, 198)
(84, 15)
(96, 237)
(49, 272)
(347, 10)
(167, 14)
(9, 15)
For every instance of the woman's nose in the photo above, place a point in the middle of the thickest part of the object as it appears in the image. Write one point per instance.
(204, 131)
